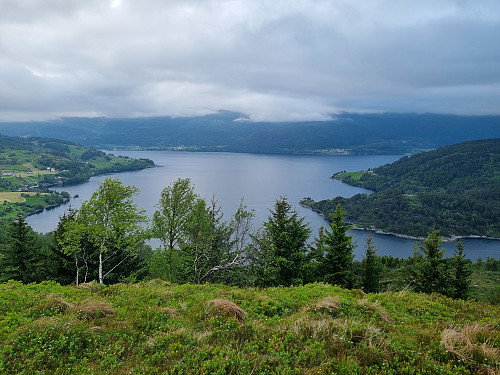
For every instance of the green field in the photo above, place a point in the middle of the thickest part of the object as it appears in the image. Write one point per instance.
(16, 197)
(158, 328)
(356, 176)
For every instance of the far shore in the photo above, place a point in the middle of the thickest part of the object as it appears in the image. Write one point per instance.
(408, 237)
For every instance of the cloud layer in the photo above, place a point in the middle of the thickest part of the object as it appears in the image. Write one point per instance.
(273, 60)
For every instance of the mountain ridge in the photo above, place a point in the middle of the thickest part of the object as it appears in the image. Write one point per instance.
(347, 133)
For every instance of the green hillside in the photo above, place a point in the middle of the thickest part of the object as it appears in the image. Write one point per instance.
(160, 328)
(32, 165)
(383, 133)
(454, 189)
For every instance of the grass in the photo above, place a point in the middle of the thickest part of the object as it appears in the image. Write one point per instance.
(41, 173)
(485, 286)
(16, 197)
(158, 328)
(33, 202)
(354, 175)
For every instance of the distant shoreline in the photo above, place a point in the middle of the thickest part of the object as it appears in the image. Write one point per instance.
(405, 236)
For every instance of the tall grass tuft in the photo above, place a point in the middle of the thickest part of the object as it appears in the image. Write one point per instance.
(474, 342)
(224, 307)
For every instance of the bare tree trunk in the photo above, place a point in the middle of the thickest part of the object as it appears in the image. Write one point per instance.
(101, 278)
(77, 270)
(86, 265)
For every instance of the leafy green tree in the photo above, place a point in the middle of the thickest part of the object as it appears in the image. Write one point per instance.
(198, 246)
(19, 254)
(235, 238)
(170, 221)
(371, 267)
(283, 247)
(491, 264)
(337, 247)
(224, 245)
(462, 271)
(174, 210)
(72, 240)
(113, 224)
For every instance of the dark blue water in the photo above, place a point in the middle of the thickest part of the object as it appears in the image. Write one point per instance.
(259, 180)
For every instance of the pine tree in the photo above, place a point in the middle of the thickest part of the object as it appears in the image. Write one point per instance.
(371, 267)
(338, 248)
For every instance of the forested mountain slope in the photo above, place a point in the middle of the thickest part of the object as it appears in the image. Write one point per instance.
(454, 189)
(386, 133)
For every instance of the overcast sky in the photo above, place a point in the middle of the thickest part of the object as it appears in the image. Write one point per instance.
(273, 60)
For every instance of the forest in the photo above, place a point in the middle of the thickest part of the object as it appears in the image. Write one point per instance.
(106, 241)
(454, 189)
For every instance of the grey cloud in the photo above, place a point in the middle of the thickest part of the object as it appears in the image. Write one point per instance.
(274, 60)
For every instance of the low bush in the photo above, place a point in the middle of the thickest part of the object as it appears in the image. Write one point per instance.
(160, 328)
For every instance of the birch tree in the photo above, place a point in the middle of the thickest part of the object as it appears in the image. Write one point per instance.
(113, 224)
(171, 218)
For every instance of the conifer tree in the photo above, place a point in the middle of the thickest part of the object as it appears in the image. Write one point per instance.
(338, 248)
(462, 271)
(283, 244)
(20, 253)
(431, 273)
(371, 267)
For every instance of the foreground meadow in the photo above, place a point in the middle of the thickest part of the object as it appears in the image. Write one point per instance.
(158, 328)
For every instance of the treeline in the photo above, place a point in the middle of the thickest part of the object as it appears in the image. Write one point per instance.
(106, 240)
(453, 188)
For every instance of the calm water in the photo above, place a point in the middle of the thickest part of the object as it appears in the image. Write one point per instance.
(260, 180)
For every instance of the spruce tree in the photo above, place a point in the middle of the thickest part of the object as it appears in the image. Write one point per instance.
(462, 271)
(286, 235)
(338, 248)
(371, 267)
(431, 271)
(20, 253)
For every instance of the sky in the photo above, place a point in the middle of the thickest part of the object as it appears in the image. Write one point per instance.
(273, 60)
